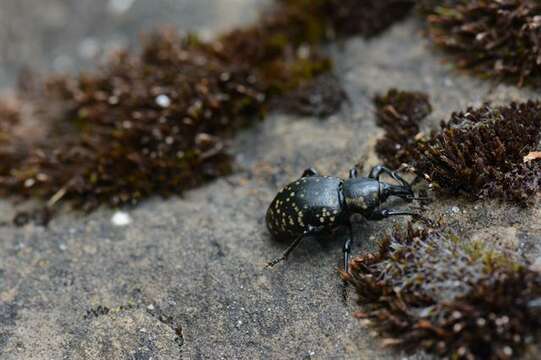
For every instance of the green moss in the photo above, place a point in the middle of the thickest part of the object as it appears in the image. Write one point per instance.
(428, 288)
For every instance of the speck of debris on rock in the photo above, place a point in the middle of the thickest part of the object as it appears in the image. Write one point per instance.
(121, 218)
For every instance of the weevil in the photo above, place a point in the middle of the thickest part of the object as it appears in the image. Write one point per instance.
(316, 204)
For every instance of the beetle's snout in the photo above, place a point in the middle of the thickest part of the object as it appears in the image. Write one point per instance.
(402, 191)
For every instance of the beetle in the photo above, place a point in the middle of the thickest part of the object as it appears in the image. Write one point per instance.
(316, 204)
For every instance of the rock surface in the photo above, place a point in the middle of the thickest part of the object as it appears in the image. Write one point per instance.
(185, 278)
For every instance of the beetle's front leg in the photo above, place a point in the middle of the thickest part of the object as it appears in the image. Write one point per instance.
(378, 170)
(380, 214)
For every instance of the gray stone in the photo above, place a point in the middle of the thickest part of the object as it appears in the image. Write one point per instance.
(185, 278)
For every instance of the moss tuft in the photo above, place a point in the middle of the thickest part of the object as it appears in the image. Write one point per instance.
(496, 39)
(399, 113)
(148, 124)
(427, 288)
(480, 152)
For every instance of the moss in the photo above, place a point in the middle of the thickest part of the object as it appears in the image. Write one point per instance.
(427, 288)
(321, 97)
(479, 153)
(429, 7)
(496, 39)
(400, 114)
(145, 124)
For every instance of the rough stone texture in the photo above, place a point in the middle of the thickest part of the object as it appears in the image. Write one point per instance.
(185, 279)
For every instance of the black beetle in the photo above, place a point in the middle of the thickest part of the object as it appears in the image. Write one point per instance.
(317, 204)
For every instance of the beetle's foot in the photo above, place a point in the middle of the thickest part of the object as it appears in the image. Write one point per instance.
(423, 219)
(274, 262)
(345, 292)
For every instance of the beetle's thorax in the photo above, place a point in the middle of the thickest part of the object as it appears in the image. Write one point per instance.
(361, 195)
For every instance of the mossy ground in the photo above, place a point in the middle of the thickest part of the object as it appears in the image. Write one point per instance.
(428, 288)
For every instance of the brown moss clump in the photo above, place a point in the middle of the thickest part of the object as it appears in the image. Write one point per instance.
(321, 97)
(153, 123)
(284, 45)
(429, 7)
(497, 39)
(428, 289)
(351, 17)
(481, 152)
(400, 114)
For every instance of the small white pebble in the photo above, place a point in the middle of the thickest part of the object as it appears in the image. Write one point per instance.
(62, 247)
(119, 7)
(150, 307)
(163, 101)
(29, 182)
(121, 218)
(89, 48)
(455, 209)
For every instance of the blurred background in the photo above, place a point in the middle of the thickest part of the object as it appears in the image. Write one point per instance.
(66, 35)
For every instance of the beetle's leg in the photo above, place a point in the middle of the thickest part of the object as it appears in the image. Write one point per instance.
(380, 214)
(311, 231)
(347, 249)
(378, 170)
(353, 173)
(347, 252)
(286, 253)
(310, 172)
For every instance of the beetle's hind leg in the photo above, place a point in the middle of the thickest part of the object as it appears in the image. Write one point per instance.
(310, 172)
(286, 253)
(311, 231)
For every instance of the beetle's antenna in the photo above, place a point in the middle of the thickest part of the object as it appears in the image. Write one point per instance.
(286, 252)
